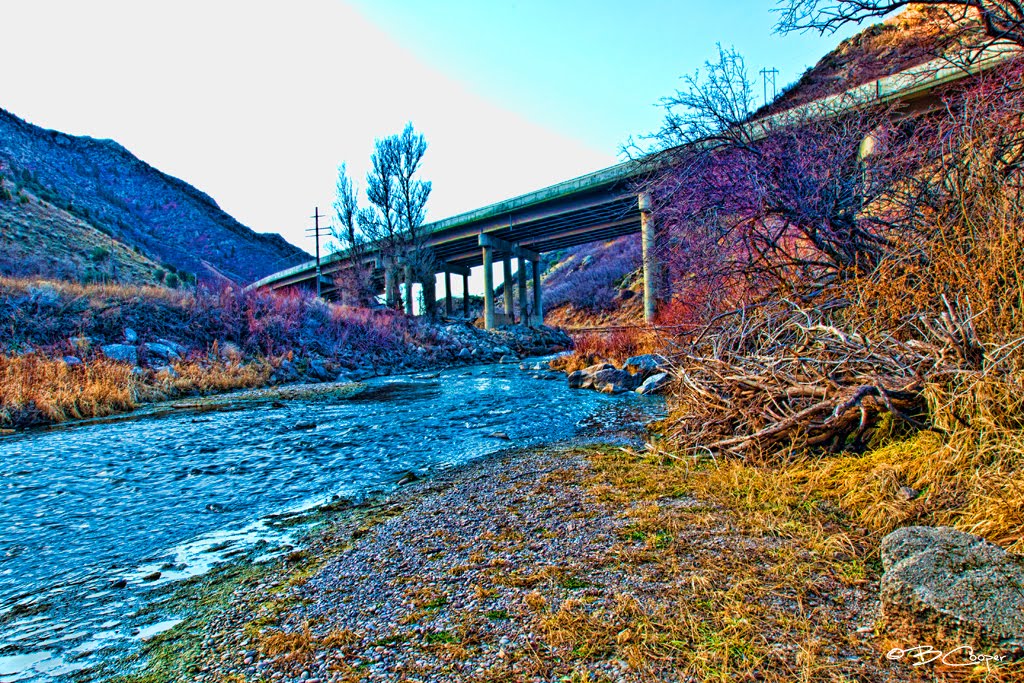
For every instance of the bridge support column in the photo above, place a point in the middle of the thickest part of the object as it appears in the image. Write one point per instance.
(538, 309)
(389, 286)
(524, 314)
(652, 269)
(465, 296)
(408, 290)
(488, 287)
(447, 293)
(506, 274)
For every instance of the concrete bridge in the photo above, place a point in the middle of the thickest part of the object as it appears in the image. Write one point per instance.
(603, 205)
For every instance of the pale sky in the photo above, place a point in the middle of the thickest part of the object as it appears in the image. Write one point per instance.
(256, 102)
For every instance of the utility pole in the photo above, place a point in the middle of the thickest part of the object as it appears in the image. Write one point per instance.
(766, 75)
(316, 233)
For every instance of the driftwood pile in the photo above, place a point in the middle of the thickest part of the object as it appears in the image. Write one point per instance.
(767, 378)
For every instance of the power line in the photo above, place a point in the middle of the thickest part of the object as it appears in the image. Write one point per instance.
(768, 75)
(316, 233)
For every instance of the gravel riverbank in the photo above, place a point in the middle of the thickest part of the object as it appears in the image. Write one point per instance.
(571, 562)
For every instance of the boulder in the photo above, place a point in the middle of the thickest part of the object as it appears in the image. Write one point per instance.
(72, 360)
(654, 383)
(645, 365)
(464, 352)
(612, 381)
(162, 351)
(948, 588)
(178, 348)
(594, 369)
(130, 336)
(580, 379)
(122, 353)
(318, 370)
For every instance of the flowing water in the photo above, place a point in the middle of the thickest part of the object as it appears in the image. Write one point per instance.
(90, 513)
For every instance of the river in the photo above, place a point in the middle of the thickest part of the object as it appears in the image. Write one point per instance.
(89, 513)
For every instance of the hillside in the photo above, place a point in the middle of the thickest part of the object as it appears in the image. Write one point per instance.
(77, 183)
(40, 240)
(912, 37)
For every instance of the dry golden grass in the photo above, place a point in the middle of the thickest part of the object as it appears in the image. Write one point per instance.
(761, 577)
(37, 390)
(608, 347)
(94, 291)
(34, 389)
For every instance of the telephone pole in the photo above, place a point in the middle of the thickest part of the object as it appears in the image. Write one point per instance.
(316, 235)
(766, 75)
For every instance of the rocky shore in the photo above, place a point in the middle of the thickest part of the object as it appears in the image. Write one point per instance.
(569, 563)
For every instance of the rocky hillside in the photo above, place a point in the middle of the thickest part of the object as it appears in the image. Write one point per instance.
(40, 240)
(82, 183)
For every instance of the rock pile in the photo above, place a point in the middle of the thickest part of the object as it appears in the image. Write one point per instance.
(646, 374)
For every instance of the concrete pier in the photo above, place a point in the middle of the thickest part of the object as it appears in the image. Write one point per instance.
(488, 286)
(465, 295)
(448, 293)
(524, 313)
(389, 286)
(408, 290)
(652, 269)
(538, 309)
(506, 274)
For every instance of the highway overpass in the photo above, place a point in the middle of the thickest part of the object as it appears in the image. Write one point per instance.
(604, 204)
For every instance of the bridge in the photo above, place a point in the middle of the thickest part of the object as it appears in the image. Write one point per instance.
(599, 206)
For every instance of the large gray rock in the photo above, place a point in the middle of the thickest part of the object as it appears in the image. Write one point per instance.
(580, 379)
(123, 353)
(178, 348)
(130, 336)
(594, 369)
(612, 381)
(946, 587)
(654, 383)
(645, 365)
(162, 351)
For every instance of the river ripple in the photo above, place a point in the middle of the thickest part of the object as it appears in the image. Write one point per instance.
(84, 506)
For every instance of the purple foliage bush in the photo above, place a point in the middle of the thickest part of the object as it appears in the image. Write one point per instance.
(589, 276)
(44, 315)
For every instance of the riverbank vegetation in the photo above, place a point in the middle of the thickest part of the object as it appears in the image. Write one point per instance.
(844, 316)
(76, 351)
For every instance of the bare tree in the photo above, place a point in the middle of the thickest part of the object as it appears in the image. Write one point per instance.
(380, 221)
(755, 203)
(355, 281)
(398, 200)
(971, 21)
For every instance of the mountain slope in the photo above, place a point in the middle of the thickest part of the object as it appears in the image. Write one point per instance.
(168, 220)
(40, 240)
